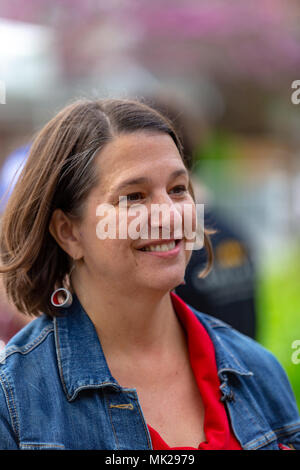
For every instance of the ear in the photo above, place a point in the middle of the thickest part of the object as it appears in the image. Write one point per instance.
(66, 233)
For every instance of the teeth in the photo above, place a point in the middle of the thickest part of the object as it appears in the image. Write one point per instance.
(164, 247)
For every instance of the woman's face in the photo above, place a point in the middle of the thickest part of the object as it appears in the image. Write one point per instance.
(138, 168)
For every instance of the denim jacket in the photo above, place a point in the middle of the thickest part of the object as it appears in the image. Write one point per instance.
(57, 392)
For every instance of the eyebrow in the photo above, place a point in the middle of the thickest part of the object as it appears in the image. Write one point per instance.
(144, 179)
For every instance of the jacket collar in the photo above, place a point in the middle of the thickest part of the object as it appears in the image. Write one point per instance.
(81, 360)
(226, 360)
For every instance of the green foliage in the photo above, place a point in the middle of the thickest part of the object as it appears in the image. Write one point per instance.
(278, 303)
(219, 145)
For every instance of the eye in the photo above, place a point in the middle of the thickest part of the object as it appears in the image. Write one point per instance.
(180, 189)
(134, 196)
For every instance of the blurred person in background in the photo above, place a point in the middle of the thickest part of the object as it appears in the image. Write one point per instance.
(115, 358)
(228, 291)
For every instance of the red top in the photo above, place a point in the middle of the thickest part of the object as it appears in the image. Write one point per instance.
(219, 435)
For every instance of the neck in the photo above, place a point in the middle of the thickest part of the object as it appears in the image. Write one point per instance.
(131, 322)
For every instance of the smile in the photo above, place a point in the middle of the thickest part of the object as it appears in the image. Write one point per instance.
(169, 248)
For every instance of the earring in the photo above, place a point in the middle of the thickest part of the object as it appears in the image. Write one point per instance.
(68, 299)
(67, 296)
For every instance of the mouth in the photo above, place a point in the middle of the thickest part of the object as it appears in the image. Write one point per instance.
(163, 247)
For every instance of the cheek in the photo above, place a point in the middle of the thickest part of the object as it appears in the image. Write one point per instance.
(132, 223)
(188, 254)
(189, 217)
(192, 228)
(95, 241)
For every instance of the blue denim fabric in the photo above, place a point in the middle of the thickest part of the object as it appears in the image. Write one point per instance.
(57, 391)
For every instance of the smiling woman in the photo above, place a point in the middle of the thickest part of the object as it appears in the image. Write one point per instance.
(121, 362)
(72, 178)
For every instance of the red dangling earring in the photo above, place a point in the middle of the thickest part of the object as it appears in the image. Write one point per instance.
(65, 293)
(68, 299)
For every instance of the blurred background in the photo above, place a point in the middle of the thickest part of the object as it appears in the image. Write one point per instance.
(223, 71)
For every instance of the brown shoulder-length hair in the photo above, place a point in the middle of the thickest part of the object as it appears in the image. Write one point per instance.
(60, 173)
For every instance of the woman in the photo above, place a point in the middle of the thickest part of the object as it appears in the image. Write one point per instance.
(120, 361)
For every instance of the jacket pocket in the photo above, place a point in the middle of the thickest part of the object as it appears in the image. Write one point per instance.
(41, 446)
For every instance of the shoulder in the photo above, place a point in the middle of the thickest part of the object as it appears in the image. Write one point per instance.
(236, 352)
(28, 350)
(26, 346)
(22, 362)
(234, 344)
(28, 338)
(257, 380)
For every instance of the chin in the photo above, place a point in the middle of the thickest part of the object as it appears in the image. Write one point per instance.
(166, 283)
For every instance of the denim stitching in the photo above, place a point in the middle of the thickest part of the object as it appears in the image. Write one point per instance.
(78, 389)
(28, 347)
(111, 422)
(250, 444)
(145, 427)
(289, 429)
(233, 357)
(12, 413)
(146, 430)
(238, 406)
(265, 440)
(42, 336)
(235, 371)
(212, 321)
(59, 361)
(90, 386)
(42, 444)
(15, 408)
